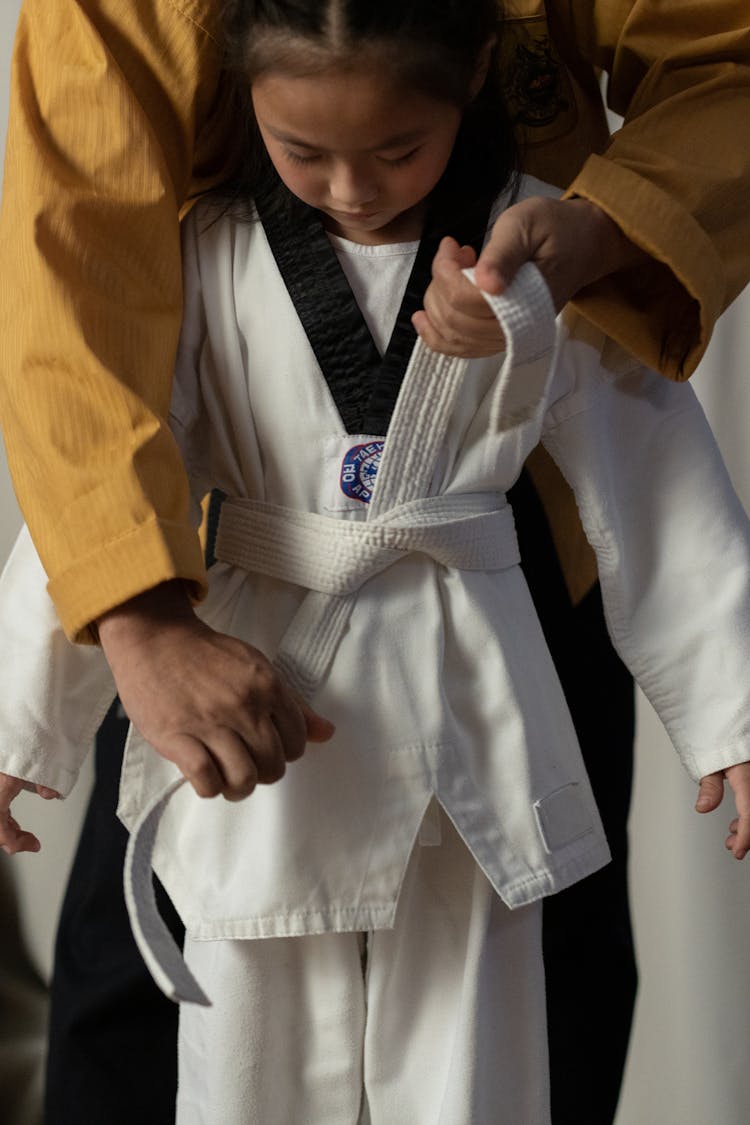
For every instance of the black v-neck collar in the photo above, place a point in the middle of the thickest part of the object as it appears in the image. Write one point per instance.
(364, 385)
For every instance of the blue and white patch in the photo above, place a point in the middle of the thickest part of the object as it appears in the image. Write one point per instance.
(359, 469)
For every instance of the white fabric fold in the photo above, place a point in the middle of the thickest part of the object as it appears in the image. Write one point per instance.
(530, 339)
(334, 558)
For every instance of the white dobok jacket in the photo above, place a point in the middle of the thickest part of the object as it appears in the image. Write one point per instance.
(406, 619)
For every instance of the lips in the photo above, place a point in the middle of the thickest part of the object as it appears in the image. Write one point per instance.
(354, 216)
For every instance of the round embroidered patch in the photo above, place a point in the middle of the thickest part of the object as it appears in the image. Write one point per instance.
(359, 470)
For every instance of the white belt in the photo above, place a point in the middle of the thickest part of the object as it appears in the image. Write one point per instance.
(333, 558)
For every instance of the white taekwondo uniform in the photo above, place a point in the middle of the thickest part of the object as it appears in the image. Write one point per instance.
(385, 582)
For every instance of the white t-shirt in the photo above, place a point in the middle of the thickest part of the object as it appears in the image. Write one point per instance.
(378, 276)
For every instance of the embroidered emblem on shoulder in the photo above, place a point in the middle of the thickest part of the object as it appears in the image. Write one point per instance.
(359, 469)
(536, 84)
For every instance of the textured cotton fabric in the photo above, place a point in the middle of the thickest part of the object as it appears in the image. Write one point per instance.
(439, 1021)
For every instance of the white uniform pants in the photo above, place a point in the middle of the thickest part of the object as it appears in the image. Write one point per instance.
(440, 1021)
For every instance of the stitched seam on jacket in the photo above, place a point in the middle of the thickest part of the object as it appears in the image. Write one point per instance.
(180, 11)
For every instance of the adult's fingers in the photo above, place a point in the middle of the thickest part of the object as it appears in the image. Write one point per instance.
(242, 764)
(194, 762)
(289, 720)
(510, 245)
(318, 729)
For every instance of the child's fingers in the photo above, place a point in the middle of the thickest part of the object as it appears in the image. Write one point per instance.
(710, 792)
(450, 292)
(741, 838)
(456, 319)
(739, 779)
(46, 793)
(449, 251)
(738, 840)
(459, 335)
(13, 839)
(10, 787)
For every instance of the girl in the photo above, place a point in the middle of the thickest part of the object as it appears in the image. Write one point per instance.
(368, 928)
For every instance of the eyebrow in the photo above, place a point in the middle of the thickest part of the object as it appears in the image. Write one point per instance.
(395, 141)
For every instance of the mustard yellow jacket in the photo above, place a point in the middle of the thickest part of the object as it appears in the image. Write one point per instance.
(119, 117)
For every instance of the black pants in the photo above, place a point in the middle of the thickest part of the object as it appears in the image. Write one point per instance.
(589, 958)
(112, 1043)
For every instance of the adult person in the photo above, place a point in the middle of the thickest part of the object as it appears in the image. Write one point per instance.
(118, 119)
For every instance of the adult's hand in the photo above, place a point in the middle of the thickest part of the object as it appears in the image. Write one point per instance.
(571, 241)
(210, 703)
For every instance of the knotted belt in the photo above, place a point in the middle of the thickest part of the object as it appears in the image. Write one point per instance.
(333, 558)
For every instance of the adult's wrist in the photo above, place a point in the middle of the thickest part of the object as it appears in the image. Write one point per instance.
(167, 603)
(614, 250)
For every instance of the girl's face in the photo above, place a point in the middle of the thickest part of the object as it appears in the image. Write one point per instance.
(362, 150)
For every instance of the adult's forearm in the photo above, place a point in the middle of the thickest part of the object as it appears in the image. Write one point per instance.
(676, 177)
(104, 125)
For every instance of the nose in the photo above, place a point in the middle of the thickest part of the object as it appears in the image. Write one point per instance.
(351, 185)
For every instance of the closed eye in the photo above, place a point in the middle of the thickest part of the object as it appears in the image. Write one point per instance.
(297, 159)
(396, 161)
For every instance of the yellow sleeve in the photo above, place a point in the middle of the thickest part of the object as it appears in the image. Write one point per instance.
(676, 177)
(111, 111)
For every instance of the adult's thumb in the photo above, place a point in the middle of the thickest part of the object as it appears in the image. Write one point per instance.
(506, 251)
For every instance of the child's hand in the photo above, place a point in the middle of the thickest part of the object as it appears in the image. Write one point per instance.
(710, 795)
(456, 319)
(210, 703)
(12, 837)
(571, 241)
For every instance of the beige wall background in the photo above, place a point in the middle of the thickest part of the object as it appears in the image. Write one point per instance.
(689, 1057)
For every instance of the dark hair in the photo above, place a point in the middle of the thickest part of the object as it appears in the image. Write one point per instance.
(433, 46)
